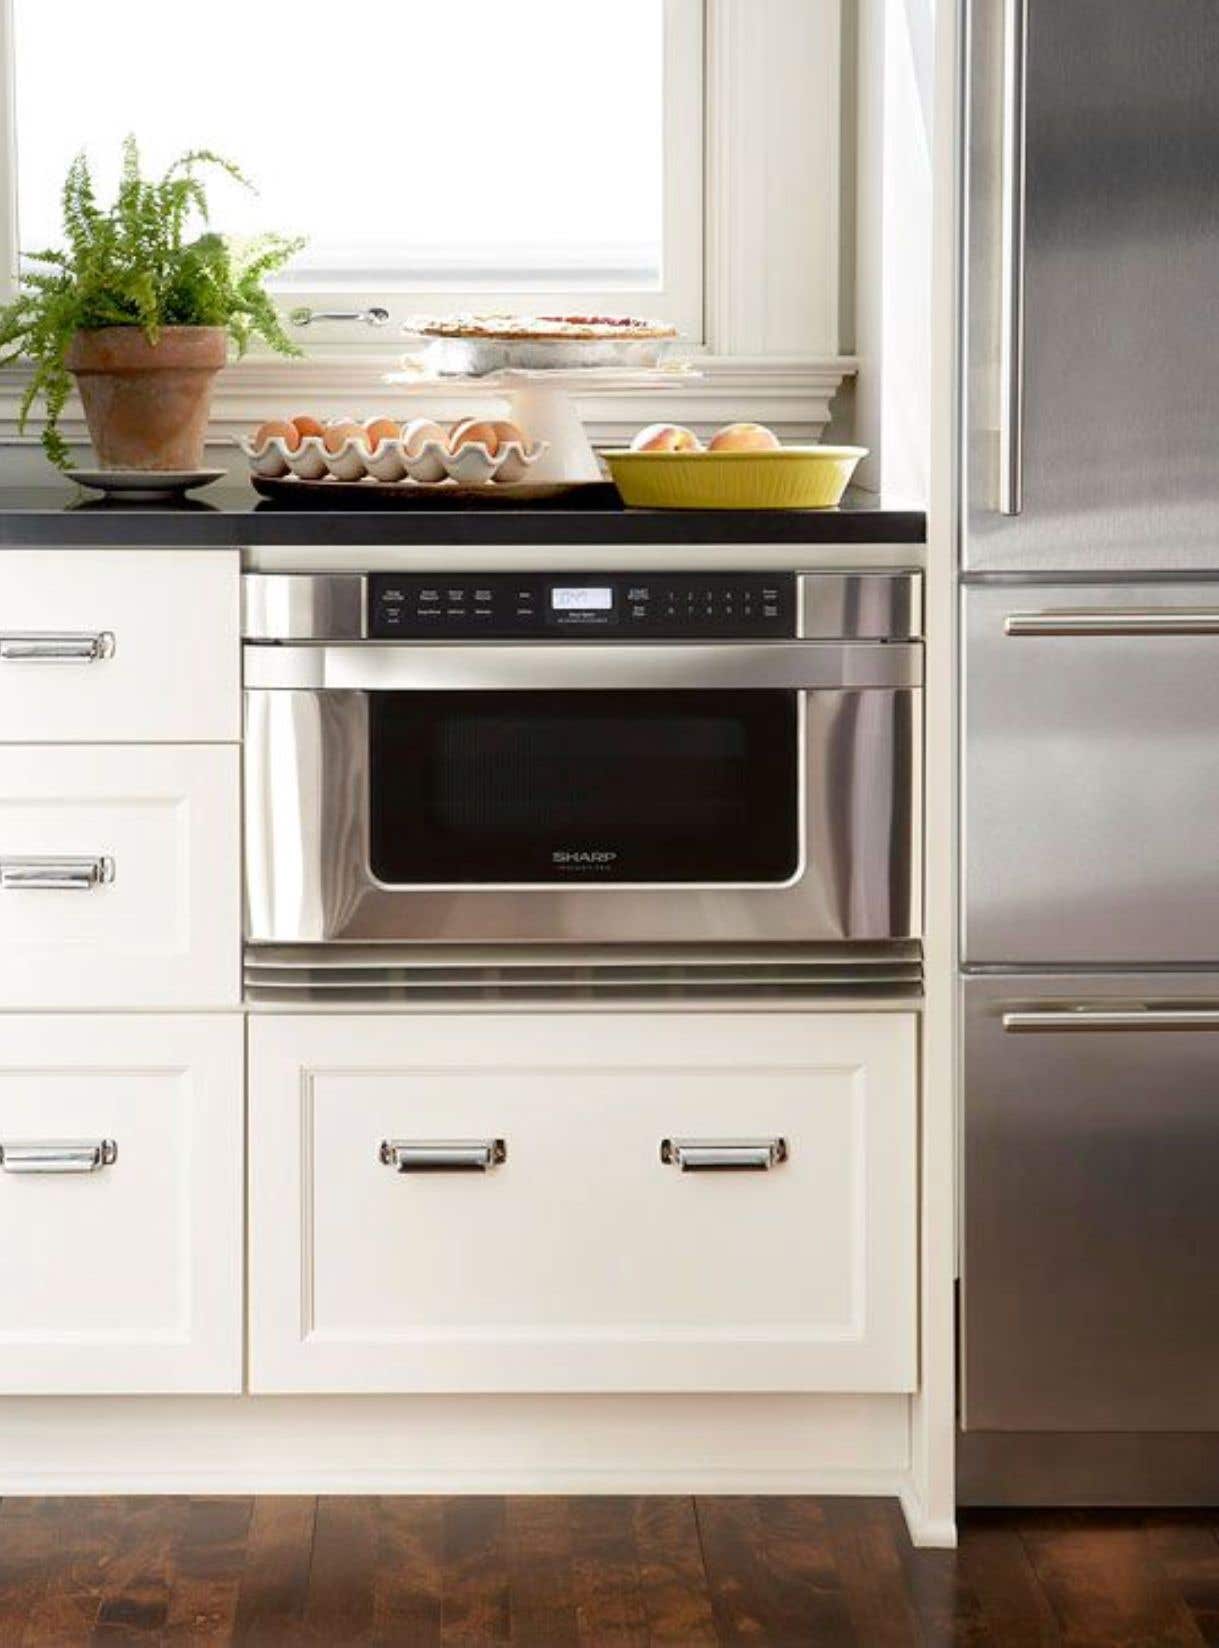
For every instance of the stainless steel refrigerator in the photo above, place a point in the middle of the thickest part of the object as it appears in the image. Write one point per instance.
(1090, 750)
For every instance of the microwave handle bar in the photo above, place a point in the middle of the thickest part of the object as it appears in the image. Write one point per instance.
(369, 666)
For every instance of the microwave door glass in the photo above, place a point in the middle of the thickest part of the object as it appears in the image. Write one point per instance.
(583, 787)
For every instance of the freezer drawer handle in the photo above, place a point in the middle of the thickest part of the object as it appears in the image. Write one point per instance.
(56, 648)
(55, 874)
(443, 1155)
(1011, 339)
(1111, 621)
(723, 1155)
(1112, 1018)
(59, 1156)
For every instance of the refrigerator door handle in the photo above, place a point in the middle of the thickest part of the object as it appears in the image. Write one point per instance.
(1111, 1018)
(1115, 621)
(1011, 339)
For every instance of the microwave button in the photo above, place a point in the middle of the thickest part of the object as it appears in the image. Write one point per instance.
(483, 596)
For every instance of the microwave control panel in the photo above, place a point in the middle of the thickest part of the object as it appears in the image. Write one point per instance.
(611, 606)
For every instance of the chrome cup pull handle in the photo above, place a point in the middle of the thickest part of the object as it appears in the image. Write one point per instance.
(1011, 334)
(58, 1156)
(56, 647)
(443, 1155)
(723, 1155)
(51, 874)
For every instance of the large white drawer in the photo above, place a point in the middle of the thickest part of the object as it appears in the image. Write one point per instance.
(164, 626)
(163, 823)
(582, 1261)
(126, 1277)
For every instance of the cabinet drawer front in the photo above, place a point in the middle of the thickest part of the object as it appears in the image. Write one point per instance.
(579, 1202)
(119, 645)
(120, 877)
(121, 1204)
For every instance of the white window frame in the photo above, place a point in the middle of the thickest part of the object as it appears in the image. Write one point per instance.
(751, 245)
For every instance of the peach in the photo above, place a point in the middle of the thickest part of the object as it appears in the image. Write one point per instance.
(666, 437)
(744, 437)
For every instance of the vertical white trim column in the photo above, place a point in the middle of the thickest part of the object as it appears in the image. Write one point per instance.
(8, 155)
(773, 176)
(930, 1502)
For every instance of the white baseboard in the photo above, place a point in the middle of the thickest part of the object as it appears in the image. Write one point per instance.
(927, 1532)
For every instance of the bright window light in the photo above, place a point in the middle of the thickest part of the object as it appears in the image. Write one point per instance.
(417, 144)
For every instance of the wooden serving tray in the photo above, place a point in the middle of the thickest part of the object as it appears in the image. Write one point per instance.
(369, 494)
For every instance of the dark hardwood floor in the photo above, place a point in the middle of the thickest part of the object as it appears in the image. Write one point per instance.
(615, 1573)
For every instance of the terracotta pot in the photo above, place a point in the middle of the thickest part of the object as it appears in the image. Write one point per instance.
(147, 404)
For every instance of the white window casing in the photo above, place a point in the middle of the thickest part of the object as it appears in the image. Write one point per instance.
(751, 227)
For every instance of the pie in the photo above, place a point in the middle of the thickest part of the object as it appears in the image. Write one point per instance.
(542, 328)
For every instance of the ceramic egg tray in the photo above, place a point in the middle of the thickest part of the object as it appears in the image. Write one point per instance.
(473, 465)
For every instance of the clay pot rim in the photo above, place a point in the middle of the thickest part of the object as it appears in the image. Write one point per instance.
(126, 349)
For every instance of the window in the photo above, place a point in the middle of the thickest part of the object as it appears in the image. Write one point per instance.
(436, 156)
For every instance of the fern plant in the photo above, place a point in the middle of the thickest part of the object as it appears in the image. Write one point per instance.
(132, 264)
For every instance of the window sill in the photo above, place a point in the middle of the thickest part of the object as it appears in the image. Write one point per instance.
(790, 393)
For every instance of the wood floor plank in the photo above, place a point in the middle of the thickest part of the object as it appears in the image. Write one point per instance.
(672, 1578)
(1013, 1606)
(772, 1573)
(1188, 1553)
(870, 1567)
(605, 1576)
(33, 1557)
(205, 1564)
(135, 1599)
(474, 1606)
(80, 1543)
(541, 1599)
(409, 1582)
(943, 1600)
(274, 1584)
(1104, 1583)
(339, 1608)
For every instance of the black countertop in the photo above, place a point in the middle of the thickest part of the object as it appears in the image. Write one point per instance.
(234, 517)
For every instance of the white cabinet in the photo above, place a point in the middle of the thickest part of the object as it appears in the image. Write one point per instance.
(581, 1260)
(120, 1203)
(146, 842)
(125, 646)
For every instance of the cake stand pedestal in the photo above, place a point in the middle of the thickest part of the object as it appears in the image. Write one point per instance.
(543, 403)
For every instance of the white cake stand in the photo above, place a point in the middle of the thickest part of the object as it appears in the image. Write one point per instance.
(543, 403)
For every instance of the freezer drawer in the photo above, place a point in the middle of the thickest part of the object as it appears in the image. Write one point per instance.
(1091, 774)
(1092, 359)
(1091, 1293)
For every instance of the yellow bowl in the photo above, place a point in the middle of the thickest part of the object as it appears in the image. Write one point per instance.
(791, 477)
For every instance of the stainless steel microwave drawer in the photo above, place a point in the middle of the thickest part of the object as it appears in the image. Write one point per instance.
(1091, 773)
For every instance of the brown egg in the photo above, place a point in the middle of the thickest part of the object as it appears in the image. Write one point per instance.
(341, 431)
(474, 432)
(666, 437)
(418, 432)
(287, 432)
(382, 429)
(506, 431)
(744, 437)
(305, 425)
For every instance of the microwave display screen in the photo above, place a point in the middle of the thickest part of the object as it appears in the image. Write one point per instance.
(581, 600)
(590, 786)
